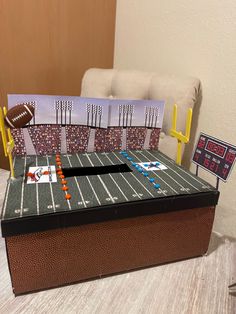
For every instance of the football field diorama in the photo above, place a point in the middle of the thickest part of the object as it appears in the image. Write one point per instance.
(90, 189)
(148, 175)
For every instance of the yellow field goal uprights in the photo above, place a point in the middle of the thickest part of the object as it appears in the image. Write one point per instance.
(7, 139)
(182, 139)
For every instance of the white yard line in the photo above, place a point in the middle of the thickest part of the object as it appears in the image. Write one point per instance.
(158, 178)
(103, 184)
(189, 174)
(95, 194)
(37, 188)
(22, 190)
(167, 176)
(134, 176)
(173, 171)
(124, 177)
(50, 183)
(112, 179)
(7, 192)
(77, 184)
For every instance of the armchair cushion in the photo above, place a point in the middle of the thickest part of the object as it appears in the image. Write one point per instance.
(128, 84)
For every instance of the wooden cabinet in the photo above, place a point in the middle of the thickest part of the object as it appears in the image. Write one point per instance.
(47, 45)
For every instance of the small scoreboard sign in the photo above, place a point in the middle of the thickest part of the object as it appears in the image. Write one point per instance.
(215, 156)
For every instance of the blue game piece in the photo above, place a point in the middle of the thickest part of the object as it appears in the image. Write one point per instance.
(140, 170)
(130, 158)
(146, 165)
(151, 179)
(137, 166)
(156, 186)
(145, 174)
(134, 164)
(157, 164)
(125, 155)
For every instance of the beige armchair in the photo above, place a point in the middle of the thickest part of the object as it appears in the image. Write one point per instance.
(127, 84)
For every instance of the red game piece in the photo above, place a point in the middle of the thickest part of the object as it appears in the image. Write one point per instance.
(60, 172)
(29, 174)
(62, 176)
(58, 159)
(64, 188)
(46, 172)
(64, 182)
(68, 196)
(58, 169)
(58, 163)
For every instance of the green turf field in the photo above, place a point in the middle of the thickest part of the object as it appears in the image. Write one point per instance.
(91, 191)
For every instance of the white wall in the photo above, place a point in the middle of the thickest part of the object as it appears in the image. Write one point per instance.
(194, 38)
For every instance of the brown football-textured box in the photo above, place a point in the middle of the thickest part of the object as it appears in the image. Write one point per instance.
(56, 257)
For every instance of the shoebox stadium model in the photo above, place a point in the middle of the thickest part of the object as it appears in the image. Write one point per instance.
(78, 211)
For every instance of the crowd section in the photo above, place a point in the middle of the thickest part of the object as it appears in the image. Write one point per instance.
(135, 137)
(77, 138)
(113, 138)
(19, 149)
(154, 139)
(46, 138)
(108, 139)
(99, 141)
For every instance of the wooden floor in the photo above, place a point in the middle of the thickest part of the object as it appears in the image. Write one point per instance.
(197, 285)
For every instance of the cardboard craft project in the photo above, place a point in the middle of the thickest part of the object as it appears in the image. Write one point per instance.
(75, 124)
(91, 197)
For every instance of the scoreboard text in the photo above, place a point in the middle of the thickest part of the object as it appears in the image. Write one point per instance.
(214, 155)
